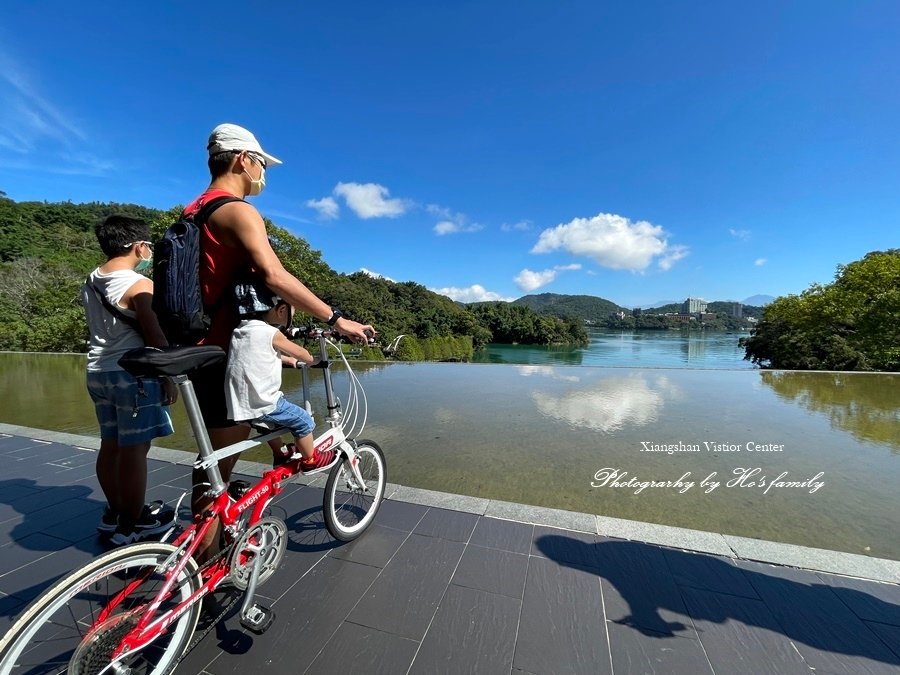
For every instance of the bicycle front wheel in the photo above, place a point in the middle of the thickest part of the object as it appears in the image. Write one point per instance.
(60, 632)
(350, 506)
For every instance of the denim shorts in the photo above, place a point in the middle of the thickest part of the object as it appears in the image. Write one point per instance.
(129, 412)
(292, 416)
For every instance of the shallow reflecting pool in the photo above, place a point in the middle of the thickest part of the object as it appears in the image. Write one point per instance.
(804, 458)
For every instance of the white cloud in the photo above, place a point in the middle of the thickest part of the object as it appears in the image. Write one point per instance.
(672, 255)
(759, 262)
(451, 222)
(612, 241)
(374, 275)
(473, 293)
(521, 226)
(370, 200)
(327, 208)
(441, 211)
(529, 280)
(743, 235)
(450, 227)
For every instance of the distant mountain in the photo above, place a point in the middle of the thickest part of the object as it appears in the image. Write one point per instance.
(595, 309)
(580, 307)
(660, 303)
(758, 300)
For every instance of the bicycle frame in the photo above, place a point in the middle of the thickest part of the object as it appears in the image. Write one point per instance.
(224, 508)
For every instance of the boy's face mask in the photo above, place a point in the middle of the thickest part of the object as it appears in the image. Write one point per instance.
(144, 264)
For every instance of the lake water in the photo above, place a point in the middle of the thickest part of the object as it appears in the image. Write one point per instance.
(641, 348)
(541, 434)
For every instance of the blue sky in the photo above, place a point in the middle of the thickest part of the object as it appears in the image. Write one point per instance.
(635, 151)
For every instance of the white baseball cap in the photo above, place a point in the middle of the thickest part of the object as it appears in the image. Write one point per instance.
(228, 137)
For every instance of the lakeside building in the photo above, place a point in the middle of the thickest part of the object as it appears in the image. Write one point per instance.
(694, 306)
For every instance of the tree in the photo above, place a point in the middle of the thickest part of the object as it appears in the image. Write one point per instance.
(850, 324)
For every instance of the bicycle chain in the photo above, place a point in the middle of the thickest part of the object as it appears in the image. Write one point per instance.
(198, 638)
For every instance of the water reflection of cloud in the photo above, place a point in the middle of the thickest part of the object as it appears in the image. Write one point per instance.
(546, 371)
(611, 404)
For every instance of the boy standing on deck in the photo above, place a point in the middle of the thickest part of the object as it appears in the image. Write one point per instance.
(117, 302)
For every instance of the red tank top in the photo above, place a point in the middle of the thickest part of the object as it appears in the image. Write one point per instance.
(219, 266)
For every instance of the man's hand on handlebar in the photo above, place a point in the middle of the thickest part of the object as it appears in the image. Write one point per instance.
(355, 332)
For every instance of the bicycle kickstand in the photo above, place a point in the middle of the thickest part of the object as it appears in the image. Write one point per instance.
(256, 617)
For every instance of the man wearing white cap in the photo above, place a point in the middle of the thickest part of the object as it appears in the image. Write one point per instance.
(232, 240)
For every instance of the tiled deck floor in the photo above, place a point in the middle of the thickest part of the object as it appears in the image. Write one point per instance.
(430, 590)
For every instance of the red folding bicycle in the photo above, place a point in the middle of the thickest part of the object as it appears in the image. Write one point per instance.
(135, 609)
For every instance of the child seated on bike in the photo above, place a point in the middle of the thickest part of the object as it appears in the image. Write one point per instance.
(253, 374)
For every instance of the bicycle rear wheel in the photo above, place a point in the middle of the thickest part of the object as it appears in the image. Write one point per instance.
(350, 507)
(59, 632)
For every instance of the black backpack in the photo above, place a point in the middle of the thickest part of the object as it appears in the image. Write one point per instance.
(177, 296)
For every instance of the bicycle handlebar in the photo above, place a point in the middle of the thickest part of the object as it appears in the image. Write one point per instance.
(314, 332)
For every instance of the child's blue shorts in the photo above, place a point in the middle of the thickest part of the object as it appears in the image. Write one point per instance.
(117, 396)
(292, 416)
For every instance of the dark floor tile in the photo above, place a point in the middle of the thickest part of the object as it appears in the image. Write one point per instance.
(10, 609)
(42, 499)
(304, 620)
(161, 473)
(400, 515)
(355, 648)
(57, 477)
(26, 550)
(638, 589)
(10, 444)
(640, 651)
(890, 635)
(709, 572)
(869, 600)
(15, 489)
(452, 525)
(28, 582)
(42, 452)
(404, 597)
(472, 632)
(492, 570)
(830, 637)
(506, 535)
(76, 528)
(740, 635)
(37, 521)
(562, 625)
(80, 459)
(567, 547)
(376, 546)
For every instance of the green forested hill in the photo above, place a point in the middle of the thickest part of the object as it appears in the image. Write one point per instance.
(581, 307)
(47, 249)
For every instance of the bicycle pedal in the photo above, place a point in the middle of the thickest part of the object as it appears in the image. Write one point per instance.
(257, 618)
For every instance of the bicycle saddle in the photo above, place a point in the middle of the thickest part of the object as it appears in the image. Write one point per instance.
(171, 361)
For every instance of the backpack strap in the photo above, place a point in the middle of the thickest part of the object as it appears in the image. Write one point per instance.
(112, 309)
(204, 212)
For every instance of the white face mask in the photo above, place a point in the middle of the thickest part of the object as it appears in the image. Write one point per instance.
(257, 186)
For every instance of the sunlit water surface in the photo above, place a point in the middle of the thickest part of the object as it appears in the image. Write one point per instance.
(539, 434)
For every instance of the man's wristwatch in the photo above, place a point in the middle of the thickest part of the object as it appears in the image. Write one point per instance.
(335, 315)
